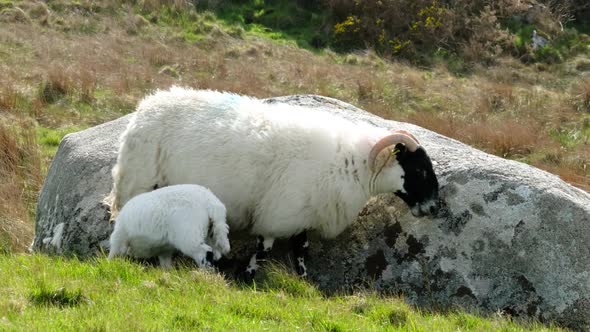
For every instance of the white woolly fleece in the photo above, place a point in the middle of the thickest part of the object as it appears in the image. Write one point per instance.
(279, 168)
(176, 217)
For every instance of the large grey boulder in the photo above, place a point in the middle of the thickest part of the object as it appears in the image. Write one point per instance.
(509, 237)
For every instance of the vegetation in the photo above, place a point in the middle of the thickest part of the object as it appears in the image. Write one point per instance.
(464, 70)
(42, 293)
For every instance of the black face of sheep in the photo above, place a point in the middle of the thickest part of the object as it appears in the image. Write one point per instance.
(420, 183)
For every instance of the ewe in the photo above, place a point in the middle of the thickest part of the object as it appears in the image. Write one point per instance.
(179, 217)
(280, 169)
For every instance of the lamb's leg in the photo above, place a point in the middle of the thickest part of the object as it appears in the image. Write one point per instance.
(199, 252)
(263, 247)
(206, 256)
(300, 248)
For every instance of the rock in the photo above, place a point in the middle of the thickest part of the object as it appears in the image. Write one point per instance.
(509, 237)
(14, 15)
(69, 211)
(538, 41)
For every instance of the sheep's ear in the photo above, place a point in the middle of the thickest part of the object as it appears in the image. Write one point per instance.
(399, 151)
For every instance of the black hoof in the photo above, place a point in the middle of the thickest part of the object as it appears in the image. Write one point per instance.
(301, 271)
(247, 276)
(209, 258)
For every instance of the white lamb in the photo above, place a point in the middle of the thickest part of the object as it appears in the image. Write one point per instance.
(172, 218)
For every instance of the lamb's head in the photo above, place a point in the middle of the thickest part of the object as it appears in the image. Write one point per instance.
(400, 165)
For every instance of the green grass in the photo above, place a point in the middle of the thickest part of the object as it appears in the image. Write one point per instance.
(49, 138)
(5, 245)
(38, 292)
(42, 295)
(569, 43)
(194, 27)
(6, 3)
(277, 19)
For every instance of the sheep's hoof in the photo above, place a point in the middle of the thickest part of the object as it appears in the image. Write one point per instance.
(302, 272)
(247, 276)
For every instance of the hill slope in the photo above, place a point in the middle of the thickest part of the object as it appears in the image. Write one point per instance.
(42, 293)
(69, 65)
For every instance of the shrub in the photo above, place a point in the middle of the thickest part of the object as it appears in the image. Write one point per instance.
(479, 31)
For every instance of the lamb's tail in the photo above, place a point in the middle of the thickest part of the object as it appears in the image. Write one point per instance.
(119, 243)
(218, 231)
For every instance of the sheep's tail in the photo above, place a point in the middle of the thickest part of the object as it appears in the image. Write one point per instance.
(218, 230)
(111, 201)
(137, 167)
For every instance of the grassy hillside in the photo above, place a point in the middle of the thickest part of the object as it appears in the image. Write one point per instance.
(41, 293)
(68, 65)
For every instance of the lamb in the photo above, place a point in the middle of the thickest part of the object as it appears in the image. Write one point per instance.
(280, 169)
(179, 217)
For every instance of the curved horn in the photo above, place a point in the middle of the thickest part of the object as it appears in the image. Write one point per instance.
(407, 133)
(408, 140)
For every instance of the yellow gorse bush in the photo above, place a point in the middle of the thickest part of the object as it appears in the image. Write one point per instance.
(351, 24)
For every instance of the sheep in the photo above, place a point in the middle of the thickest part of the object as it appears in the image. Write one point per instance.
(280, 169)
(178, 217)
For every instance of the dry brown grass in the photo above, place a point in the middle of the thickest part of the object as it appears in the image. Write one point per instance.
(8, 99)
(574, 169)
(155, 5)
(496, 97)
(20, 180)
(55, 85)
(581, 96)
(506, 138)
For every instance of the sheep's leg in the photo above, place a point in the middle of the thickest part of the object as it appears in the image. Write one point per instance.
(210, 257)
(300, 248)
(263, 247)
(165, 260)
